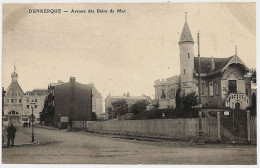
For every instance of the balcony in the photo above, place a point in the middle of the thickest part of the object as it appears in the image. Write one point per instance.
(237, 100)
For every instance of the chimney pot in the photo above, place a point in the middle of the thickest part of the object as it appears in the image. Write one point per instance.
(72, 79)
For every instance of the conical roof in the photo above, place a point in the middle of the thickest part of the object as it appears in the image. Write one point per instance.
(186, 34)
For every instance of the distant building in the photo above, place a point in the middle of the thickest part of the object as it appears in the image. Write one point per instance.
(224, 81)
(129, 99)
(70, 100)
(16, 105)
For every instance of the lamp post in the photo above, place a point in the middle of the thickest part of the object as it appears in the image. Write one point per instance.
(32, 106)
(200, 133)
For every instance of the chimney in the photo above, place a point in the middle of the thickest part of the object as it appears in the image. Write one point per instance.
(128, 94)
(212, 64)
(59, 81)
(72, 79)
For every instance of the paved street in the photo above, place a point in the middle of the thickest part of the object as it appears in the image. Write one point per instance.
(58, 146)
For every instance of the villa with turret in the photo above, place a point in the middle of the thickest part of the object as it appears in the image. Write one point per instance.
(224, 81)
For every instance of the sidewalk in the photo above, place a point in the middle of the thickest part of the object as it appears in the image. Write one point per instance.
(20, 138)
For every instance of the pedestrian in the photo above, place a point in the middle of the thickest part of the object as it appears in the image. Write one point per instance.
(29, 123)
(11, 130)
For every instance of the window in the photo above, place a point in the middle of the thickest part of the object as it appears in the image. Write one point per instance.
(13, 112)
(210, 88)
(184, 71)
(188, 55)
(12, 100)
(13, 94)
(28, 100)
(20, 100)
(171, 93)
(35, 100)
(28, 106)
(203, 89)
(163, 95)
(35, 106)
(215, 88)
(232, 86)
(7, 100)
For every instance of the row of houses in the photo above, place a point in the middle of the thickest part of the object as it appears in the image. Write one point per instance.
(67, 101)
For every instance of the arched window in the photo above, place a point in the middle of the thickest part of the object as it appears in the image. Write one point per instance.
(13, 94)
(13, 112)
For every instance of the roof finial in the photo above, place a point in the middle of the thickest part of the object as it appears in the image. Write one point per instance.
(14, 67)
(185, 16)
(236, 50)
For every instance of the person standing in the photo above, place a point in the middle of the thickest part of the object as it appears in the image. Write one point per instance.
(11, 130)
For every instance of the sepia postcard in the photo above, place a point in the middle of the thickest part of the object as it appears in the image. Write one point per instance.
(165, 83)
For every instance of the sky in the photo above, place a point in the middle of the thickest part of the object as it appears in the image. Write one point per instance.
(120, 52)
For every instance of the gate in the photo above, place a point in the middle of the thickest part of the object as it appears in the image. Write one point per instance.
(234, 125)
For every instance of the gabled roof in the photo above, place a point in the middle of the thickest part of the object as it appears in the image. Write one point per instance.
(14, 86)
(220, 64)
(186, 34)
(205, 63)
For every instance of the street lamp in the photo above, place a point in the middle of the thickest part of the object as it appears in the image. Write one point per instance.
(32, 106)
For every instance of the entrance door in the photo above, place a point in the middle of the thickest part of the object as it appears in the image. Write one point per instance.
(237, 106)
(13, 117)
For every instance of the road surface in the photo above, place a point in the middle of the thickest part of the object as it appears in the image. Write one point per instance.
(58, 146)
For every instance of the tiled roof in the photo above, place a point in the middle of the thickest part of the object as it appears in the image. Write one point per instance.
(186, 34)
(205, 63)
(39, 92)
(14, 86)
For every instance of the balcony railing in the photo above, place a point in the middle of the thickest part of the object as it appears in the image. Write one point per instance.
(241, 98)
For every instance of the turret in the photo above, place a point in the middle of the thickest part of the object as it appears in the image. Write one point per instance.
(186, 44)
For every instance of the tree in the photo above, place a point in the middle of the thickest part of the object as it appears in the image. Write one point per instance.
(189, 101)
(178, 99)
(120, 107)
(110, 113)
(253, 75)
(93, 116)
(139, 107)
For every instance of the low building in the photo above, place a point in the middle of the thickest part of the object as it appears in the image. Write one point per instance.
(129, 99)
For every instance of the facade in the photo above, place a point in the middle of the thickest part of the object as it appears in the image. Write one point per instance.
(129, 99)
(71, 100)
(97, 106)
(17, 106)
(224, 81)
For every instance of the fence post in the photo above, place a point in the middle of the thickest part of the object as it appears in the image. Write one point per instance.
(219, 128)
(248, 127)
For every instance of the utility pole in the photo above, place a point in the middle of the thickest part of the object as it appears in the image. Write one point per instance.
(200, 133)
